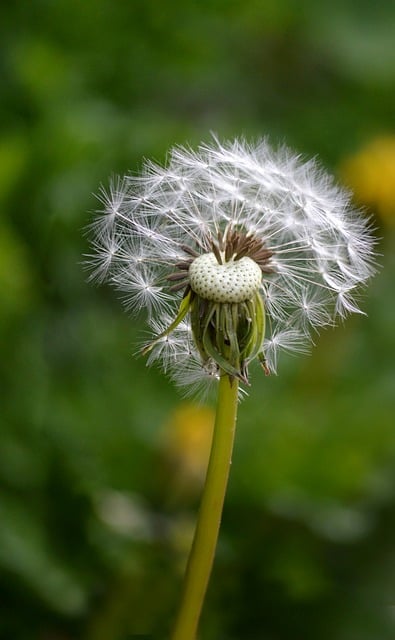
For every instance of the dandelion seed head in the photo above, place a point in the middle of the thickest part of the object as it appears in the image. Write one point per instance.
(223, 237)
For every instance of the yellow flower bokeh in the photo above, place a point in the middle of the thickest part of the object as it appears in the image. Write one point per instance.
(370, 173)
(187, 438)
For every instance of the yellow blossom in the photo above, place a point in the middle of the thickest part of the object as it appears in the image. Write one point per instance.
(371, 175)
(187, 439)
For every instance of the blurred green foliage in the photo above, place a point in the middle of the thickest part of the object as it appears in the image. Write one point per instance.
(95, 522)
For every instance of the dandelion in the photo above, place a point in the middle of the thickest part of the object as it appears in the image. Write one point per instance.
(235, 252)
(244, 245)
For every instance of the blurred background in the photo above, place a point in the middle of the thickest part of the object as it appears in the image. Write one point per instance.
(101, 461)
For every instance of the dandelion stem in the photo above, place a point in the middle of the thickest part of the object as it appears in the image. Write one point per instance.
(206, 534)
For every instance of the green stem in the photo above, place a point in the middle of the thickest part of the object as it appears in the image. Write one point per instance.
(206, 534)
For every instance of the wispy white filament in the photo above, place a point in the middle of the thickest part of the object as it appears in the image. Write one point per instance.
(322, 247)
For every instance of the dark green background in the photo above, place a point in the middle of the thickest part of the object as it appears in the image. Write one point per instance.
(89, 88)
